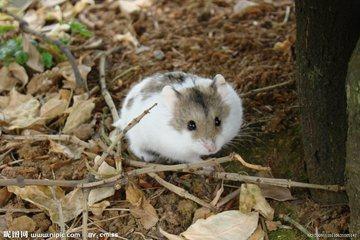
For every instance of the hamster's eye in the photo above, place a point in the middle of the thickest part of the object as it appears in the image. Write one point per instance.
(191, 125)
(217, 122)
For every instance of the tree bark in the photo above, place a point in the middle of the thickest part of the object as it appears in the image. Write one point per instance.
(353, 139)
(327, 31)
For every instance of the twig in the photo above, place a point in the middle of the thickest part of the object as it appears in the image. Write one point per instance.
(109, 101)
(297, 225)
(43, 137)
(258, 90)
(287, 14)
(263, 226)
(10, 164)
(180, 191)
(20, 210)
(228, 197)
(85, 214)
(121, 135)
(178, 167)
(100, 221)
(249, 165)
(24, 26)
(60, 212)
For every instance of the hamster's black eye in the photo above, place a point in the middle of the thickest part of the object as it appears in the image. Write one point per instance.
(191, 125)
(217, 122)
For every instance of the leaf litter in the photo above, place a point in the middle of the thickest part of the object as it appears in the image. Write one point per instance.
(244, 40)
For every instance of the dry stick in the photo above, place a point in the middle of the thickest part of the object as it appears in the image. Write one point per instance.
(255, 91)
(10, 163)
(43, 137)
(21, 210)
(105, 91)
(297, 225)
(180, 191)
(178, 167)
(85, 213)
(61, 213)
(228, 197)
(24, 26)
(121, 135)
(249, 165)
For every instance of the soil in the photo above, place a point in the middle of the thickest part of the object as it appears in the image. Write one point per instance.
(205, 38)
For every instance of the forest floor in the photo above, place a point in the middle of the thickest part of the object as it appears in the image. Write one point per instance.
(252, 50)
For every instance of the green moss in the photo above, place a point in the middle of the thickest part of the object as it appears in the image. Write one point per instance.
(285, 234)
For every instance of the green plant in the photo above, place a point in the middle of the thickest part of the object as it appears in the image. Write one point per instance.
(79, 28)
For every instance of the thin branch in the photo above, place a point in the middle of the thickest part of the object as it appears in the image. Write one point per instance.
(228, 197)
(258, 90)
(44, 137)
(297, 225)
(85, 214)
(121, 135)
(109, 101)
(180, 191)
(249, 165)
(60, 212)
(24, 26)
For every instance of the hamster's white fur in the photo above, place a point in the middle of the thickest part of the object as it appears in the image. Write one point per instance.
(154, 133)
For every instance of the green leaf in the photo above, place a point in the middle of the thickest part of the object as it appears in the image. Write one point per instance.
(47, 59)
(6, 28)
(78, 28)
(21, 57)
(8, 50)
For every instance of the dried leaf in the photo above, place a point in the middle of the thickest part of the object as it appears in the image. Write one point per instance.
(4, 196)
(271, 225)
(243, 7)
(22, 111)
(84, 131)
(42, 197)
(129, 6)
(259, 234)
(53, 107)
(127, 37)
(35, 19)
(73, 153)
(23, 223)
(98, 208)
(80, 113)
(252, 198)
(99, 194)
(67, 72)
(228, 225)
(274, 192)
(34, 60)
(141, 207)
(12, 75)
(42, 82)
(202, 213)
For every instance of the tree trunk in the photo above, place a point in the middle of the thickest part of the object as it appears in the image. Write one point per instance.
(353, 139)
(327, 31)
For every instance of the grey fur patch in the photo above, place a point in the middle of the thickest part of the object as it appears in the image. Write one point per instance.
(201, 105)
(129, 103)
(159, 81)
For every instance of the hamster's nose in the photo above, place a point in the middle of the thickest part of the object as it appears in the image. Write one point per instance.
(209, 145)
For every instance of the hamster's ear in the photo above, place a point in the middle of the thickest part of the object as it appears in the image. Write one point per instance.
(170, 96)
(220, 85)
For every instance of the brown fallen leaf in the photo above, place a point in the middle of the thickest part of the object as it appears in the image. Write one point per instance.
(252, 198)
(274, 192)
(22, 111)
(202, 213)
(243, 7)
(4, 196)
(54, 107)
(98, 208)
(42, 197)
(228, 225)
(12, 75)
(80, 112)
(134, 6)
(73, 152)
(42, 82)
(23, 223)
(67, 72)
(259, 234)
(271, 225)
(34, 60)
(141, 207)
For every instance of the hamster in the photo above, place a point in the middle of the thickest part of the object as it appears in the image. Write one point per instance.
(195, 116)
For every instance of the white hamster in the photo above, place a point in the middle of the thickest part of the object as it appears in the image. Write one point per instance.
(195, 116)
